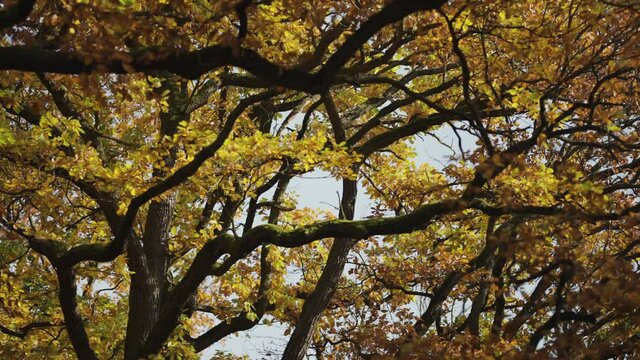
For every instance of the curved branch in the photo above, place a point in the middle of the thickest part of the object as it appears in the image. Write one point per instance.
(206, 264)
(195, 63)
(73, 320)
(24, 331)
(108, 252)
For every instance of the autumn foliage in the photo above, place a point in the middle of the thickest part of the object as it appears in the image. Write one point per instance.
(152, 151)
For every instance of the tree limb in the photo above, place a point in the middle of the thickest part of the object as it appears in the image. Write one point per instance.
(195, 63)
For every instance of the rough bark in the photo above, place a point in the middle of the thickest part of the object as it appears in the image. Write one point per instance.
(149, 283)
(149, 257)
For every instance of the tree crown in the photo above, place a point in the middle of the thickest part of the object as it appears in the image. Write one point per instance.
(150, 152)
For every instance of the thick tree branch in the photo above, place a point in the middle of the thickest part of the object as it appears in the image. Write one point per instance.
(53, 251)
(24, 331)
(195, 63)
(73, 320)
(207, 260)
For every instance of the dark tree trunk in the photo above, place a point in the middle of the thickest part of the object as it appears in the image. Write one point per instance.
(149, 257)
(149, 282)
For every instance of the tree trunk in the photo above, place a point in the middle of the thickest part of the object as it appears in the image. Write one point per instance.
(149, 282)
(149, 259)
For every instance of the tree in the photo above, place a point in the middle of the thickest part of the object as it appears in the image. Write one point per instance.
(147, 148)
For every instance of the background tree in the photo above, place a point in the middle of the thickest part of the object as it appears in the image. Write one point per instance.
(146, 149)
